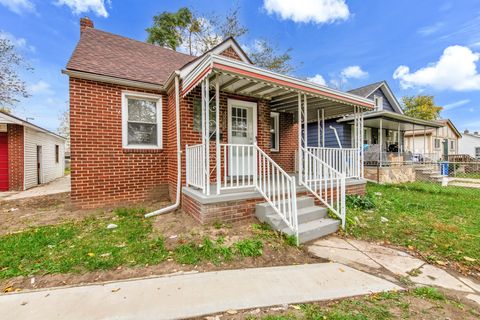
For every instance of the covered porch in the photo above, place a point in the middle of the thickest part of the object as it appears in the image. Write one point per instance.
(385, 143)
(251, 137)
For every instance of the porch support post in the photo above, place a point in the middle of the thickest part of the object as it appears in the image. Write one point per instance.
(217, 133)
(424, 143)
(399, 141)
(305, 131)
(207, 134)
(300, 154)
(323, 128)
(318, 128)
(413, 140)
(203, 137)
(380, 133)
(361, 142)
(434, 141)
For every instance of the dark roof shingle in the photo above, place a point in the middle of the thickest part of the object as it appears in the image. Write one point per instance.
(365, 90)
(104, 53)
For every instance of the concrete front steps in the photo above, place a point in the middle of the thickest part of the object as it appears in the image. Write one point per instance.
(313, 222)
(428, 174)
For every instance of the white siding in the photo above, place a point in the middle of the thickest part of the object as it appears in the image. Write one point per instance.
(50, 169)
(468, 143)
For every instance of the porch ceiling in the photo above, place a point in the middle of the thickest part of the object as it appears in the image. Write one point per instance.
(282, 91)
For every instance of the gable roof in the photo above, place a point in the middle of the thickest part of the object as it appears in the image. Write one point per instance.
(11, 119)
(107, 54)
(367, 90)
(451, 125)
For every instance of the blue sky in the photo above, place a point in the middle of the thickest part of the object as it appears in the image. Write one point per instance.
(428, 47)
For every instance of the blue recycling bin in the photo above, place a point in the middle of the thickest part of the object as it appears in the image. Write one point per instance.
(444, 168)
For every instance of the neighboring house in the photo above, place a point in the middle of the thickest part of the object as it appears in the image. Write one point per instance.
(435, 143)
(214, 134)
(469, 144)
(29, 155)
(384, 129)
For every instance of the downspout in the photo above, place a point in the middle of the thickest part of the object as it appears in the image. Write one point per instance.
(179, 155)
(336, 136)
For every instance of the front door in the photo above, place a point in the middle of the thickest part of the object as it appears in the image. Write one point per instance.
(39, 164)
(242, 130)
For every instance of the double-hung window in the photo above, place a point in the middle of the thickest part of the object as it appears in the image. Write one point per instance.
(141, 121)
(437, 143)
(274, 131)
(477, 152)
(378, 101)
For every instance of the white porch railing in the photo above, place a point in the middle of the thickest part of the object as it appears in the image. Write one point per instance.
(239, 166)
(326, 183)
(195, 170)
(278, 188)
(345, 160)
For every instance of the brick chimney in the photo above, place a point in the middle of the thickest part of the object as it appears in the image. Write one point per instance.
(85, 23)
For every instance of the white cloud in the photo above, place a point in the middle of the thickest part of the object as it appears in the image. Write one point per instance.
(41, 87)
(82, 6)
(18, 6)
(353, 72)
(19, 43)
(319, 79)
(428, 30)
(456, 104)
(315, 11)
(455, 70)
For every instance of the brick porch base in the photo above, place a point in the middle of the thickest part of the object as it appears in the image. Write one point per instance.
(236, 210)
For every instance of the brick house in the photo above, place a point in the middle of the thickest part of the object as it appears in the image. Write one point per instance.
(219, 137)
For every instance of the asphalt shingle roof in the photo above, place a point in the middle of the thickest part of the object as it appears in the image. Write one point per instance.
(104, 53)
(365, 90)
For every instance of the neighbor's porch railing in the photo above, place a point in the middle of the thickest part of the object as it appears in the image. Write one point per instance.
(345, 160)
(326, 183)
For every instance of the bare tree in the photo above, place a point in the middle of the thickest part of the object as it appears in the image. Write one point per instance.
(11, 86)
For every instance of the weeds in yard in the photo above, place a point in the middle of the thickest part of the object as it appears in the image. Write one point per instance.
(249, 248)
(428, 293)
(439, 223)
(366, 202)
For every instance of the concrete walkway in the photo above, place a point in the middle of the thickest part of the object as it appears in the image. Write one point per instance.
(385, 261)
(192, 295)
(59, 185)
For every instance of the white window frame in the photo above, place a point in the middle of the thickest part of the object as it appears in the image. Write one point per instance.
(378, 101)
(147, 96)
(439, 143)
(452, 145)
(276, 128)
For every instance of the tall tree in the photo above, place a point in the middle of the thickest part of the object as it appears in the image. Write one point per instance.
(169, 28)
(421, 106)
(11, 86)
(266, 56)
(196, 34)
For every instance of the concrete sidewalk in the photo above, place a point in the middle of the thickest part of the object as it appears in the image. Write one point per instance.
(190, 295)
(59, 185)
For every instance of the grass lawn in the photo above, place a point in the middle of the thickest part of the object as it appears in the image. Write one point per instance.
(88, 245)
(440, 223)
(421, 303)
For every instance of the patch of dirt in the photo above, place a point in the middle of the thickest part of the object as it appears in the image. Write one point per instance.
(176, 228)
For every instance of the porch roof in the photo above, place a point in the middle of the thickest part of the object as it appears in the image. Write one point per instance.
(391, 120)
(241, 78)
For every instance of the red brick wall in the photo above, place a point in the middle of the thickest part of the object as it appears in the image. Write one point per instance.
(232, 211)
(288, 142)
(102, 171)
(15, 156)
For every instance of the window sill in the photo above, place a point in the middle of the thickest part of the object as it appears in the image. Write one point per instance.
(275, 150)
(142, 150)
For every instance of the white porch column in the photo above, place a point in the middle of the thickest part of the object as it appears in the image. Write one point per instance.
(323, 128)
(413, 139)
(217, 133)
(362, 139)
(424, 143)
(305, 132)
(399, 141)
(204, 170)
(380, 133)
(207, 135)
(318, 127)
(300, 155)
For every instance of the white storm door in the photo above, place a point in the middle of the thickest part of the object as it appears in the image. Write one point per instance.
(242, 130)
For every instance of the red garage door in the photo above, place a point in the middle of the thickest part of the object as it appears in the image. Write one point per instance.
(3, 161)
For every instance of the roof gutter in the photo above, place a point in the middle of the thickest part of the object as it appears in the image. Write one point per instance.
(179, 154)
(113, 80)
